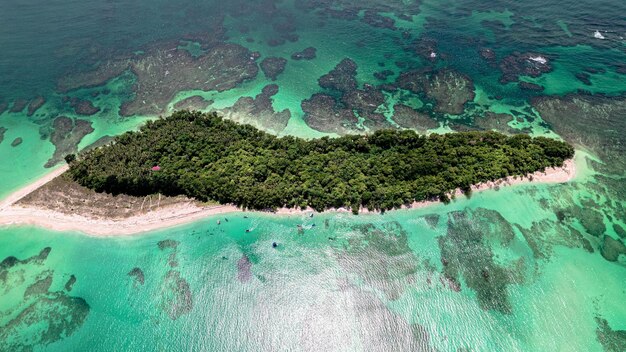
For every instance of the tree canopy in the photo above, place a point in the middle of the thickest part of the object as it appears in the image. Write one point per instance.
(206, 157)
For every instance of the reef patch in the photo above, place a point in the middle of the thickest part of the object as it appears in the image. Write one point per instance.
(66, 136)
(273, 66)
(259, 111)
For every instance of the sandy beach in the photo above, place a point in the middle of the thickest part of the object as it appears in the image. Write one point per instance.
(182, 213)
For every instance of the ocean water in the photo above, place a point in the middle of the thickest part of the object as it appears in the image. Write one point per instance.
(524, 268)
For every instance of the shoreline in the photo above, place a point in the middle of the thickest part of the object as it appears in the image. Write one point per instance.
(12, 214)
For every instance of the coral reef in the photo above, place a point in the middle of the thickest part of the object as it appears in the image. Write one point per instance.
(273, 66)
(408, 117)
(19, 105)
(66, 136)
(43, 316)
(259, 111)
(449, 89)
(35, 104)
(309, 53)
(176, 297)
(466, 252)
(523, 64)
(194, 102)
(164, 70)
(612, 249)
(322, 113)
(83, 107)
(342, 78)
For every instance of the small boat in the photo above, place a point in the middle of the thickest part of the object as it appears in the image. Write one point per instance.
(248, 230)
(218, 222)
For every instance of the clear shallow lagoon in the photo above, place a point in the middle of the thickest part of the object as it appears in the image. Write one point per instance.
(528, 268)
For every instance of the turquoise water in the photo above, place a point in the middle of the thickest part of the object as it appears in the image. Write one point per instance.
(525, 268)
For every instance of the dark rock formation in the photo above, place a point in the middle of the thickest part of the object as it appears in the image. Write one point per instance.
(164, 70)
(584, 77)
(273, 66)
(35, 104)
(176, 296)
(322, 113)
(66, 136)
(523, 64)
(83, 107)
(383, 75)
(449, 89)
(365, 102)
(194, 102)
(619, 230)
(342, 78)
(408, 117)
(309, 53)
(244, 269)
(611, 340)
(19, 105)
(168, 244)
(69, 285)
(17, 141)
(376, 20)
(530, 86)
(498, 122)
(259, 111)
(488, 55)
(138, 275)
(611, 249)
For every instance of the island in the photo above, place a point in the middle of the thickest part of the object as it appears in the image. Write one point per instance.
(208, 158)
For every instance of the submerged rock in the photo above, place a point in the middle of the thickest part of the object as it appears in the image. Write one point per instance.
(69, 285)
(498, 122)
(83, 107)
(176, 296)
(42, 317)
(449, 89)
(19, 105)
(611, 340)
(17, 141)
(342, 78)
(35, 104)
(523, 64)
(530, 86)
(309, 53)
(273, 66)
(194, 102)
(66, 136)
(322, 113)
(408, 117)
(611, 249)
(259, 111)
(376, 20)
(584, 77)
(138, 275)
(163, 70)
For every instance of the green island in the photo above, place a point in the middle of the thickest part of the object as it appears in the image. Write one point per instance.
(206, 157)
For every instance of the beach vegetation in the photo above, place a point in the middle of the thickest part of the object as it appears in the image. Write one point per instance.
(206, 157)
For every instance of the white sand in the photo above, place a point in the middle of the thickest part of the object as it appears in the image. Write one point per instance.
(12, 214)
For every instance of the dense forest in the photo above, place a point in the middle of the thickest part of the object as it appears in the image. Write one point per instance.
(209, 158)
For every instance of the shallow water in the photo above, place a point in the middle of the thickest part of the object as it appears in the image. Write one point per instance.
(525, 268)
